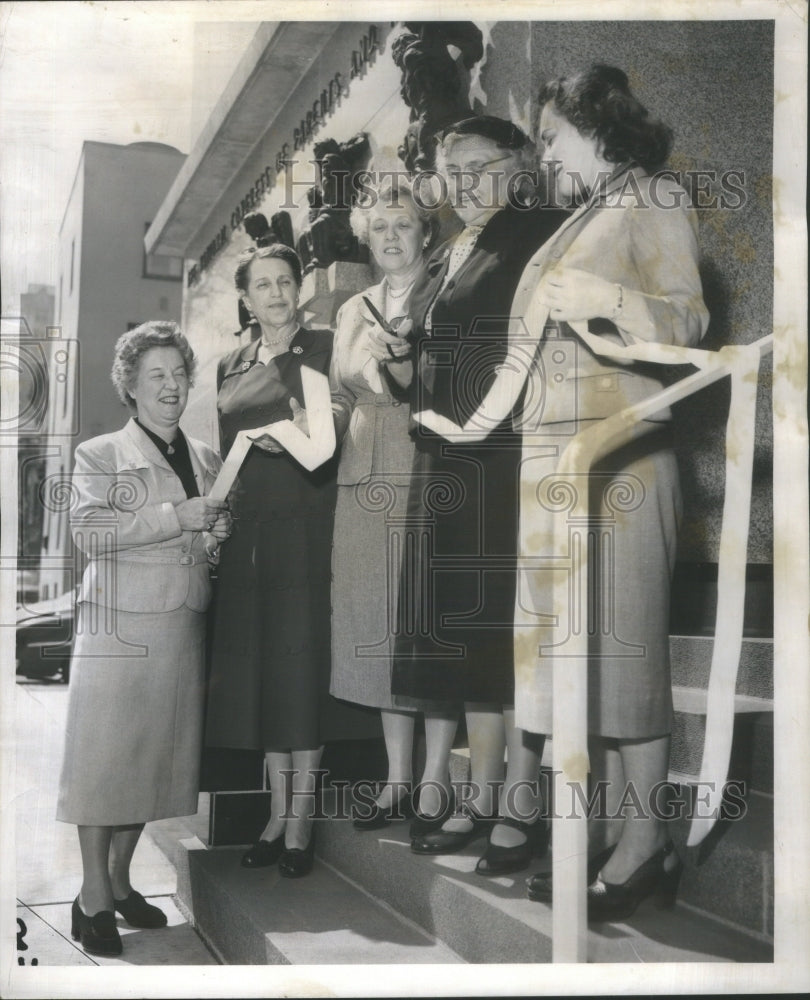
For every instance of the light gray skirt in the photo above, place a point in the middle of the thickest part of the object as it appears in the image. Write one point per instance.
(635, 508)
(366, 557)
(134, 723)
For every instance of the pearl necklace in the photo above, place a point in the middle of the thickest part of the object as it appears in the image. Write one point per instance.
(389, 291)
(281, 340)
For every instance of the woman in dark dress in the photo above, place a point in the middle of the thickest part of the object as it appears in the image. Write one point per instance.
(457, 610)
(269, 684)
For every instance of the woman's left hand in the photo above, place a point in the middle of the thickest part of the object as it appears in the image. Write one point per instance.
(572, 294)
(221, 528)
(268, 444)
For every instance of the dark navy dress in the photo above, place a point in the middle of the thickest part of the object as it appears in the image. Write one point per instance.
(270, 663)
(457, 593)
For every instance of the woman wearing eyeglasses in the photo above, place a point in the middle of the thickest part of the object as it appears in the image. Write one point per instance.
(457, 599)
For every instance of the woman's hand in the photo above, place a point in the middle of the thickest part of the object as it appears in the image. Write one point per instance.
(572, 294)
(199, 513)
(299, 418)
(221, 528)
(268, 444)
(385, 346)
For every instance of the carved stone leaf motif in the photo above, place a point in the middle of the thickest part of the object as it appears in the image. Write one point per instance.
(432, 84)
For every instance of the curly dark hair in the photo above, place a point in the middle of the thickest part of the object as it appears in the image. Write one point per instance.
(278, 250)
(597, 101)
(131, 347)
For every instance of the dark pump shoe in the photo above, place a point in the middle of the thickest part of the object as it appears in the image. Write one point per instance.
(295, 862)
(98, 934)
(499, 860)
(618, 901)
(263, 853)
(421, 824)
(138, 913)
(379, 818)
(538, 887)
(448, 842)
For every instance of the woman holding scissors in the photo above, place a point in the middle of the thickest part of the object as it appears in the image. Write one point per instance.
(375, 467)
(460, 600)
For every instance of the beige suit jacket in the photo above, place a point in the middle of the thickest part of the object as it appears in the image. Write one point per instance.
(123, 519)
(643, 236)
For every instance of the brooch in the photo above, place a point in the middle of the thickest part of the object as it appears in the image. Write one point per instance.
(245, 366)
(298, 350)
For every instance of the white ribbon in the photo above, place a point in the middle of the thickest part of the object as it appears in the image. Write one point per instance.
(310, 450)
(742, 363)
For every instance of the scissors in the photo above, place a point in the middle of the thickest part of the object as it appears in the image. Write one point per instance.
(375, 312)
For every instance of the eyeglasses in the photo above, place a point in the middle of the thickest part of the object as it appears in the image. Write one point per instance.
(473, 168)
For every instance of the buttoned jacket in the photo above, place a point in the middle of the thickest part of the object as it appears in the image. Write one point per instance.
(123, 519)
(642, 235)
(372, 426)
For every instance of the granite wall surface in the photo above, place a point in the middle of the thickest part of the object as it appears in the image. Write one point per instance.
(712, 82)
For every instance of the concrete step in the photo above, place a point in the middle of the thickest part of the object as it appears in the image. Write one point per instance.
(691, 657)
(259, 918)
(730, 876)
(370, 899)
(491, 920)
(751, 749)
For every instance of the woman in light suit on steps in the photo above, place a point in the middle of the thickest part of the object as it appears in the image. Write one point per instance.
(134, 724)
(625, 262)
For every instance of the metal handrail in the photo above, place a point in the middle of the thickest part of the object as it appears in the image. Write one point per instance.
(569, 720)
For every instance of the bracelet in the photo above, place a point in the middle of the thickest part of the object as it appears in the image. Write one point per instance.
(617, 309)
(384, 362)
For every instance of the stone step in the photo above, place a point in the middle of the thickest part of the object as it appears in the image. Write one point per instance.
(370, 899)
(691, 657)
(259, 918)
(751, 748)
(491, 920)
(731, 875)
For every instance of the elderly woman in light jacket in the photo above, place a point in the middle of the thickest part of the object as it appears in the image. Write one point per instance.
(369, 368)
(134, 724)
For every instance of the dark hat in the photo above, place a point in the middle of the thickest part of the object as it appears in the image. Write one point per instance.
(504, 133)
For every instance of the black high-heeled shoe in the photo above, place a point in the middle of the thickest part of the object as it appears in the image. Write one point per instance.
(295, 862)
(421, 824)
(450, 841)
(263, 853)
(138, 913)
(538, 887)
(618, 901)
(379, 818)
(98, 934)
(500, 860)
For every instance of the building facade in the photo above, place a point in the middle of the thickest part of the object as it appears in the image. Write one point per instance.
(37, 309)
(107, 285)
(297, 83)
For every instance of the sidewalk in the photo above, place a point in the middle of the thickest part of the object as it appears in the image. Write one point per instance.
(48, 862)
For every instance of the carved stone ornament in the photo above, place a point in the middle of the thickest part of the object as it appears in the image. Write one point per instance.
(432, 85)
(328, 236)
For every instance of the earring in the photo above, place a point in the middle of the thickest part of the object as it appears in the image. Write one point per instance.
(425, 243)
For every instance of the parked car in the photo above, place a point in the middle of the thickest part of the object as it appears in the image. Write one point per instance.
(45, 637)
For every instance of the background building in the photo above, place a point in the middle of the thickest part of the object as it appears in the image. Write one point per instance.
(37, 307)
(107, 285)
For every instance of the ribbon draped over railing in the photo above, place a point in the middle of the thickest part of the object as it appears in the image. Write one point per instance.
(569, 690)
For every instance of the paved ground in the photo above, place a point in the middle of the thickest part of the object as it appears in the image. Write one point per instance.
(48, 864)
